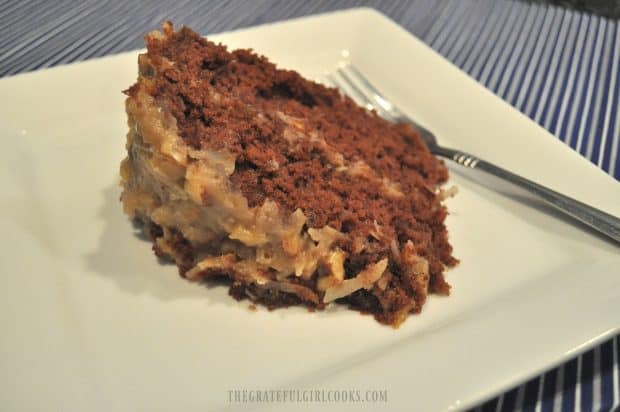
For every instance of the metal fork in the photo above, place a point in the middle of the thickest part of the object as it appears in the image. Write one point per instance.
(353, 83)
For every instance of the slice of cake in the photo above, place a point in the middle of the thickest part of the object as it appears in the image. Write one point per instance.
(243, 171)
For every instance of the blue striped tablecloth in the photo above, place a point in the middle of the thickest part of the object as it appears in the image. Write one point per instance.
(559, 67)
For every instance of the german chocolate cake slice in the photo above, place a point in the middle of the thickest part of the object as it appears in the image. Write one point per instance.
(243, 171)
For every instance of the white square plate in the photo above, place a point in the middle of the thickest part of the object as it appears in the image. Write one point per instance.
(93, 322)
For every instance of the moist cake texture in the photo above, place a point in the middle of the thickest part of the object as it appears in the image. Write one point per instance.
(243, 171)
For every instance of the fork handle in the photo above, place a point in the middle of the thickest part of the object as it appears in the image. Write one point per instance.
(597, 219)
